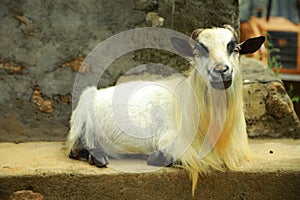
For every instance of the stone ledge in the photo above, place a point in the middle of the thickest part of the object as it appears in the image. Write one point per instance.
(273, 173)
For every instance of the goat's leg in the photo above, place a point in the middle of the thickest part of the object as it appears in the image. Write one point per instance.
(158, 158)
(78, 151)
(94, 156)
(166, 148)
(97, 157)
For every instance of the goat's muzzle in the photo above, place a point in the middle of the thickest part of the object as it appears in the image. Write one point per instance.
(220, 77)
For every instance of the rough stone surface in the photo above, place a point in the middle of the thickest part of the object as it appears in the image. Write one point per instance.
(268, 109)
(37, 39)
(26, 194)
(43, 167)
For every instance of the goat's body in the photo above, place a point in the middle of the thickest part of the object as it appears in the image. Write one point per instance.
(96, 123)
(94, 120)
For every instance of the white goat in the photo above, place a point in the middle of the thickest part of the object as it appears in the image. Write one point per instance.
(200, 123)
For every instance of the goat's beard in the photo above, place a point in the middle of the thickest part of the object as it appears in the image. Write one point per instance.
(221, 85)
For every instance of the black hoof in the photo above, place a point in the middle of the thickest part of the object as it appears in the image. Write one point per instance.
(92, 156)
(158, 158)
(71, 155)
(79, 155)
(98, 158)
(78, 151)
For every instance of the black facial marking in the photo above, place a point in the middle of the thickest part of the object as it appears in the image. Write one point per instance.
(202, 49)
(231, 46)
(221, 85)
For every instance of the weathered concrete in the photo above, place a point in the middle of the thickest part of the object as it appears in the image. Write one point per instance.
(273, 173)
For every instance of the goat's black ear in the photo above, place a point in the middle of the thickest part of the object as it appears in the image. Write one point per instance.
(182, 46)
(251, 45)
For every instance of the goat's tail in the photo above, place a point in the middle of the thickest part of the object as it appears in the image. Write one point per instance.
(82, 122)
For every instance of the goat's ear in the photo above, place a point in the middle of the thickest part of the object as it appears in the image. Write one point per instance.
(182, 46)
(251, 45)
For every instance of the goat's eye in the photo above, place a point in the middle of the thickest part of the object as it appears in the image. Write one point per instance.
(201, 49)
(236, 49)
(232, 47)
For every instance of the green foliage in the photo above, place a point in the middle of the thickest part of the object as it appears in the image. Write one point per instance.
(290, 91)
(273, 62)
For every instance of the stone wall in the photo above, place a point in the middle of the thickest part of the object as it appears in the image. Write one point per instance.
(43, 43)
(269, 111)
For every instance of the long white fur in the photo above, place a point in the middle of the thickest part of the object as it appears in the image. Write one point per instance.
(188, 111)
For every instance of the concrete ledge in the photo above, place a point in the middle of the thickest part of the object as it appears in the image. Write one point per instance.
(273, 173)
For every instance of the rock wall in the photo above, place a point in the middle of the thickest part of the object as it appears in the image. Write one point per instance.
(269, 111)
(43, 43)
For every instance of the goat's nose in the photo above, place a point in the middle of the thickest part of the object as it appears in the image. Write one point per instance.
(221, 69)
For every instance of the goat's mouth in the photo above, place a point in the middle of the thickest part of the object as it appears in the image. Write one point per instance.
(220, 80)
(221, 85)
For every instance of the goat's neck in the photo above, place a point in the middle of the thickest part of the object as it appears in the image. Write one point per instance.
(216, 108)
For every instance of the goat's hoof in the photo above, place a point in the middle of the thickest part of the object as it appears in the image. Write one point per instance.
(158, 158)
(97, 158)
(71, 155)
(78, 155)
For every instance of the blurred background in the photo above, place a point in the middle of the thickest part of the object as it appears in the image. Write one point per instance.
(279, 21)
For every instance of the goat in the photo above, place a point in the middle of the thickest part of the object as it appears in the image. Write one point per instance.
(199, 124)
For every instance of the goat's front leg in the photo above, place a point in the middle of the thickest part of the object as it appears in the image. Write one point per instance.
(164, 155)
(94, 156)
(158, 158)
(97, 157)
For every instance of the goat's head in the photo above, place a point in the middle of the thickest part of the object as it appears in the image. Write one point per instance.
(220, 47)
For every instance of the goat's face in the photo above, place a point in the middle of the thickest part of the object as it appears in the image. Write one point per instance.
(219, 48)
